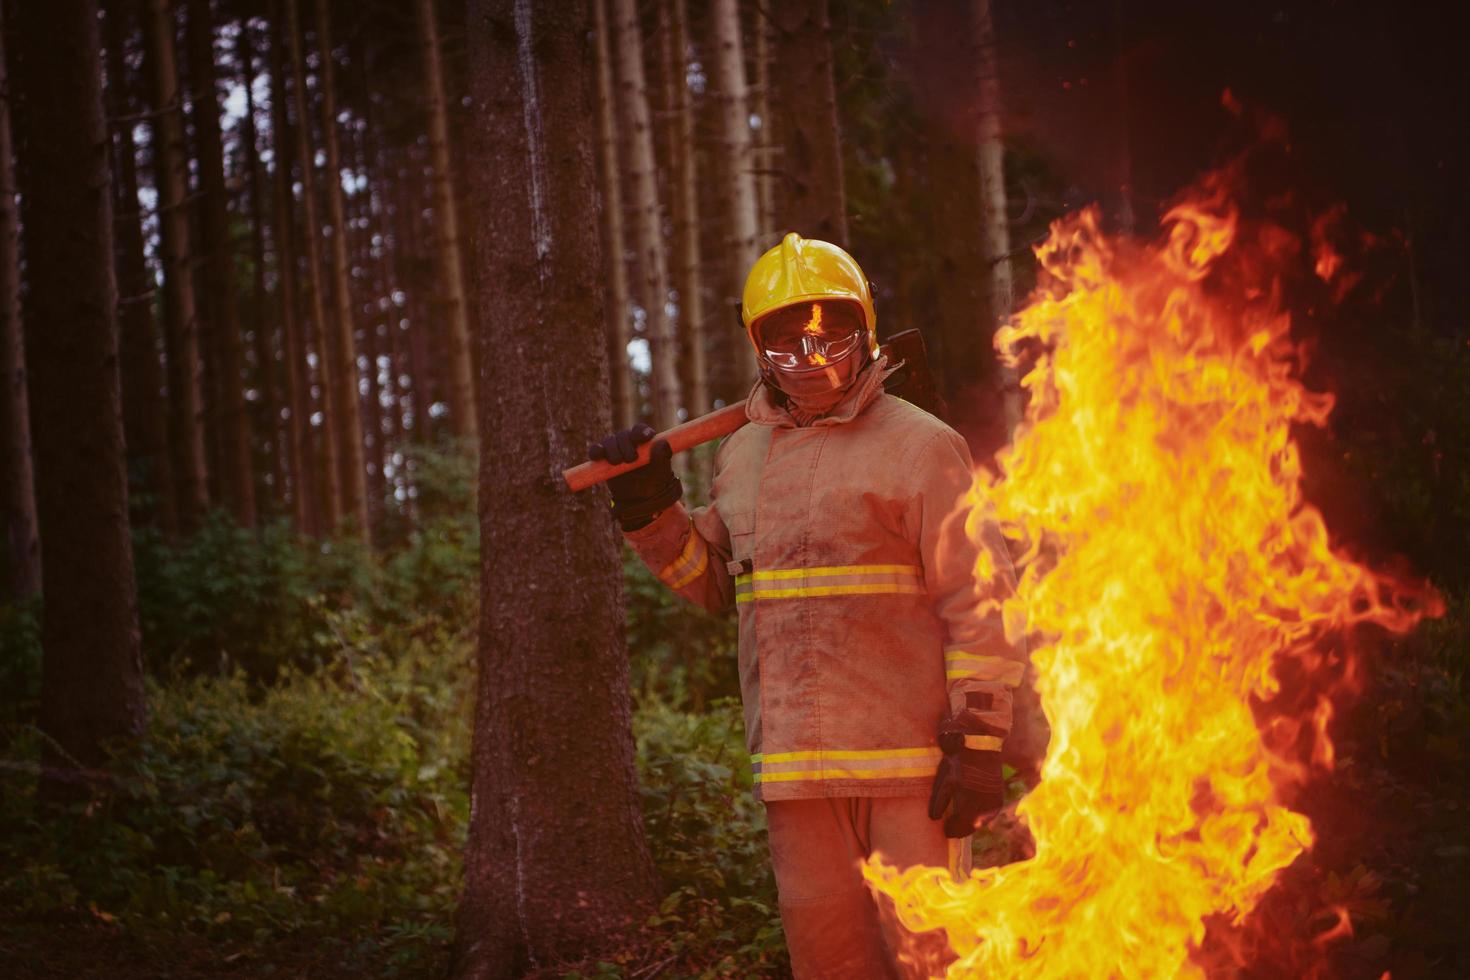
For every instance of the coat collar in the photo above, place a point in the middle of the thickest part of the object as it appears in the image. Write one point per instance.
(762, 408)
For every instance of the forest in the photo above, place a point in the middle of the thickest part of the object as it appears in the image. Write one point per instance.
(312, 665)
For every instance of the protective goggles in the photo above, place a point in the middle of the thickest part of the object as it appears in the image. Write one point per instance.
(810, 336)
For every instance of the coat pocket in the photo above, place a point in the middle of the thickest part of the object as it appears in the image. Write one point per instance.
(741, 526)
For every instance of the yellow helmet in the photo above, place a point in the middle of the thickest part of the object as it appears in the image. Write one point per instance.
(802, 270)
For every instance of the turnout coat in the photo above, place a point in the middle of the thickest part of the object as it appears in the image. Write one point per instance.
(865, 577)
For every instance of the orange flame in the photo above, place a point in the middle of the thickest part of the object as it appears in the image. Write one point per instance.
(814, 324)
(1171, 567)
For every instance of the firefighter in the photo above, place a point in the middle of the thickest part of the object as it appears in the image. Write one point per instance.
(875, 674)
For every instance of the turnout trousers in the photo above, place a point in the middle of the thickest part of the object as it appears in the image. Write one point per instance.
(836, 928)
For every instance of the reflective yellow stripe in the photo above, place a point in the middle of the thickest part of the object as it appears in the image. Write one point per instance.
(844, 754)
(980, 667)
(789, 777)
(860, 764)
(821, 571)
(830, 580)
(692, 562)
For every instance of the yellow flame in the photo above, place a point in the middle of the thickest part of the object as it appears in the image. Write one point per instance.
(1170, 564)
(814, 323)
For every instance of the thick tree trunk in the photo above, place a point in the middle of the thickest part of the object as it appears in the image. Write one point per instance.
(92, 670)
(345, 393)
(22, 568)
(673, 17)
(145, 405)
(303, 475)
(812, 200)
(555, 823)
(330, 470)
(619, 330)
(663, 349)
(266, 383)
(738, 211)
(181, 324)
(995, 239)
(462, 415)
(236, 476)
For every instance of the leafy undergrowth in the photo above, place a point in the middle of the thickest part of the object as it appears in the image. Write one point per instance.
(323, 814)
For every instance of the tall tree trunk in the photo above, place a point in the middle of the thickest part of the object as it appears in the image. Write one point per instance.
(542, 839)
(303, 475)
(92, 669)
(266, 382)
(995, 239)
(345, 393)
(145, 404)
(812, 199)
(236, 477)
(674, 36)
(421, 377)
(767, 149)
(372, 344)
(330, 470)
(944, 62)
(619, 330)
(462, 415)
(663, 350)
(22, 568)
(737, 198)
(181, 323)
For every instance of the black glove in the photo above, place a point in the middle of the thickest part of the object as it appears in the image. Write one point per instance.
(971, 779)
(640, 494)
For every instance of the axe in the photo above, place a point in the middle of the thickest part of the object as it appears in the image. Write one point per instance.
(910, 380)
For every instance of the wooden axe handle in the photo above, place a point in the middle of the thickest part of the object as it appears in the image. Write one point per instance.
(686, 435)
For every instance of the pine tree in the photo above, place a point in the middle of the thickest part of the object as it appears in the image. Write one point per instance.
(92, 669)
(556, 822)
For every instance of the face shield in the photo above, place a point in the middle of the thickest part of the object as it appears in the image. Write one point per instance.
(812, 349)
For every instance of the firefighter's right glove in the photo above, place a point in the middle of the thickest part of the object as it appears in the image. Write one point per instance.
(970, 783)
(638, 495)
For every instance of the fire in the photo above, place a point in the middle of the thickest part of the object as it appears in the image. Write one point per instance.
(813, 328)
(1171, 569)
(814, 323)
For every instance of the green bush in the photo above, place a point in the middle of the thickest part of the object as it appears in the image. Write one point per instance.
(327, 807)
(681, 655)
(707, 834)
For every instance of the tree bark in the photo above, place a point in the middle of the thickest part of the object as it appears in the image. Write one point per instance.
(462, 415)
(555, 824)
(766, 149)
(181, 323)
(236, 478)
(266, 372)
(619, 330)
(995, 239)
(673, 17)
(736, 369)
(345, 393)
(145, 405)
(944, 59)
(812, 200)
(663, 350)
(303, 476)
(18, 490)
(330, 471)
(92, 670)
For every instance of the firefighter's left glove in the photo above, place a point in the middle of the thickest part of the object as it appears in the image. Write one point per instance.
(970, 783)
(638, 495)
